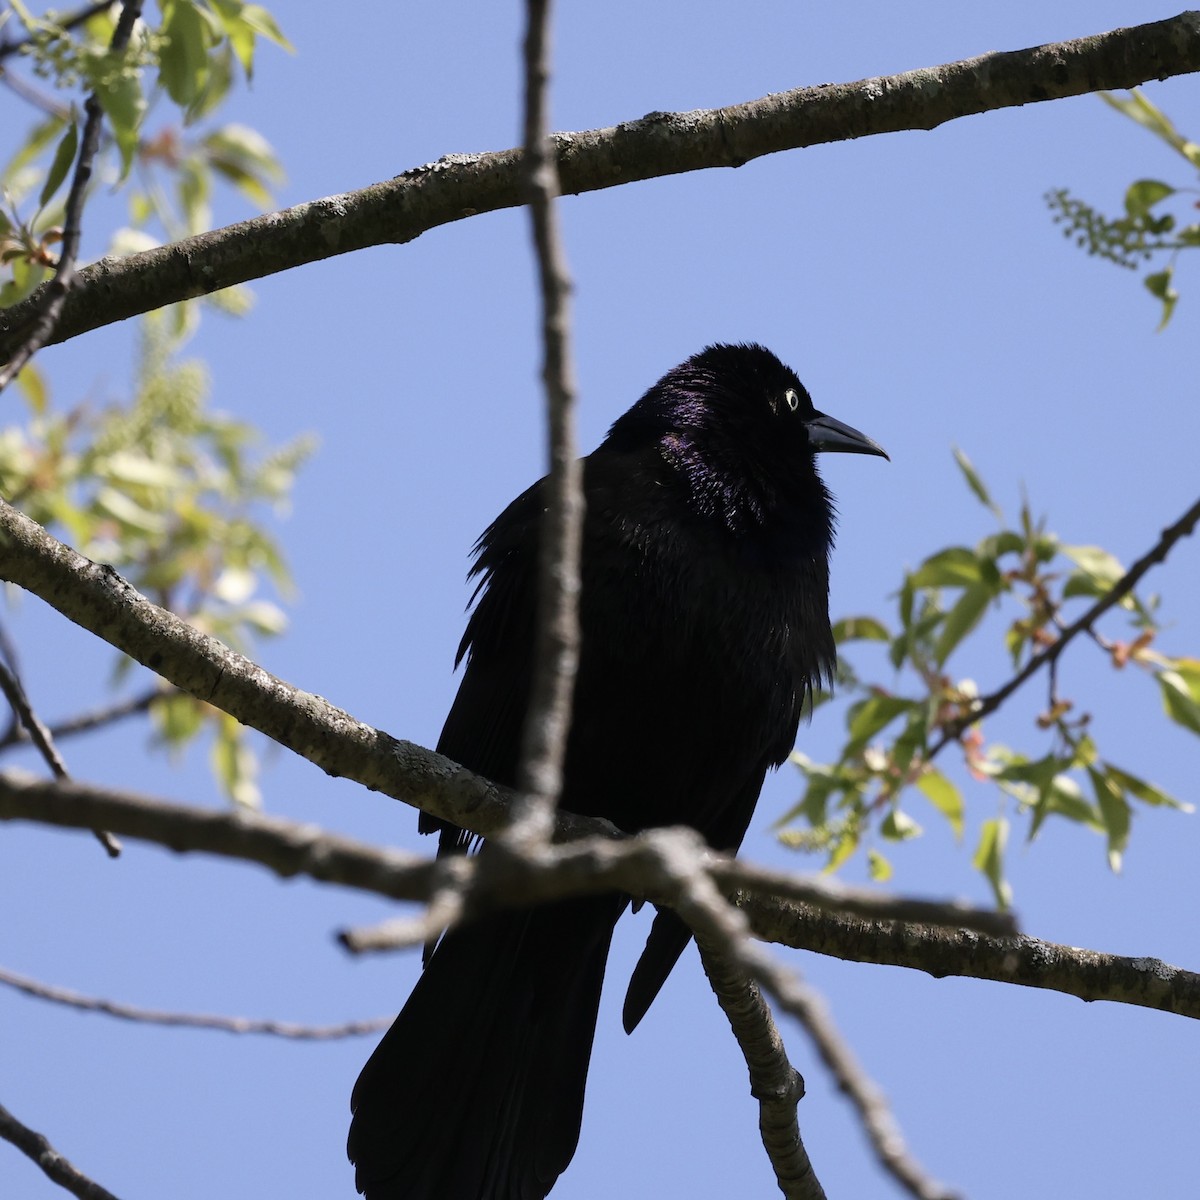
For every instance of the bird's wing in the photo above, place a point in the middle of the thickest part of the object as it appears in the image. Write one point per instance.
(483, 728)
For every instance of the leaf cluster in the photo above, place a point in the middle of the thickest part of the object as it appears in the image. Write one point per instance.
(894, 730)
(1148, 229)
(189, 62)
(174, 495)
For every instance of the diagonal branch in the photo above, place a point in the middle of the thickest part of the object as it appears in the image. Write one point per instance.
(459, 186)
(1049, 656)
(36, 1147)
(28, 720)
(876, 1116)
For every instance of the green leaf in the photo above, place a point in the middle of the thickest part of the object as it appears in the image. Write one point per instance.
(183, 61)
(860, 629)
(1145, 792)
(1097, 562)
(869, 716)
(1114, 810)
(944, 796)
(1181, 699)
(33, 387)
(1143, 195)
(843, 848)
(64, 156)
(878, 867)
(1062, 796)
(963, 617)
(975, 483)
(898, 826)
(176, 716)
(953, 567)
(989, 858)
(120, 96)
(1159, 285)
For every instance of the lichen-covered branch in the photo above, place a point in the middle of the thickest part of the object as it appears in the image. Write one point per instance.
(459, 185)
(1089, 974)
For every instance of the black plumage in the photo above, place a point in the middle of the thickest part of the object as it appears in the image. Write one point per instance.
(704, 628)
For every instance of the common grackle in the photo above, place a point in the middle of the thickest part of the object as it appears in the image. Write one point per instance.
(704, 628)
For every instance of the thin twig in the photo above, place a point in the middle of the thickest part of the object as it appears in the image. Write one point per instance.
(41, 737)
(149, 1016)
(36, 1147)
(95, 718)
(556, 654)
(774, 1082)
(876, 1116)
(54, 295)
(73, 21)
(1049, 656)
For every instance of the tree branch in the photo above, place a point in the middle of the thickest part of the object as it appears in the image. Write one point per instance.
(35, 1146)
(290, 849)
(459, 186)
(98, 599)
(150, 1016)
(85, 722)
(27, 719)
(1088, 974)
(556, 654)
(1049, 656)
(774, 1082)
(876, 1116)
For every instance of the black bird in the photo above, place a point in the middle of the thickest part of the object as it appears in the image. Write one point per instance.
(705, 627)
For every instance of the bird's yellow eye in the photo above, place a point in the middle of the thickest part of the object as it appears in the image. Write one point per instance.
(791, 400)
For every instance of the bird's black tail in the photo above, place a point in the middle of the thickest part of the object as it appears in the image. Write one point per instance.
(476, 1091)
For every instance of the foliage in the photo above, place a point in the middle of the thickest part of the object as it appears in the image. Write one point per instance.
(168, 492)
(1146, 231)
(189, 60)
(160, 487)
(895, 732)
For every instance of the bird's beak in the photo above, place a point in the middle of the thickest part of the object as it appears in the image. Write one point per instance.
(828, 434)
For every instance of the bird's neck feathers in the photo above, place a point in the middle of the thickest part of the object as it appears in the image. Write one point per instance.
(732, 484)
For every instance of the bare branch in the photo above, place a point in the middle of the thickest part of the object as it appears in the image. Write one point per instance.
(1049, 656)
(96, 718)
(35, 1146)
(872, 1106)
(149, 1016)
(27, 719)
(458, 186)
(40, 323)
(1087, 974)
(774, 1082)
(556, 654)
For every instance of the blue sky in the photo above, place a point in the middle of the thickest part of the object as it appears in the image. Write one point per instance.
(918, 287)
